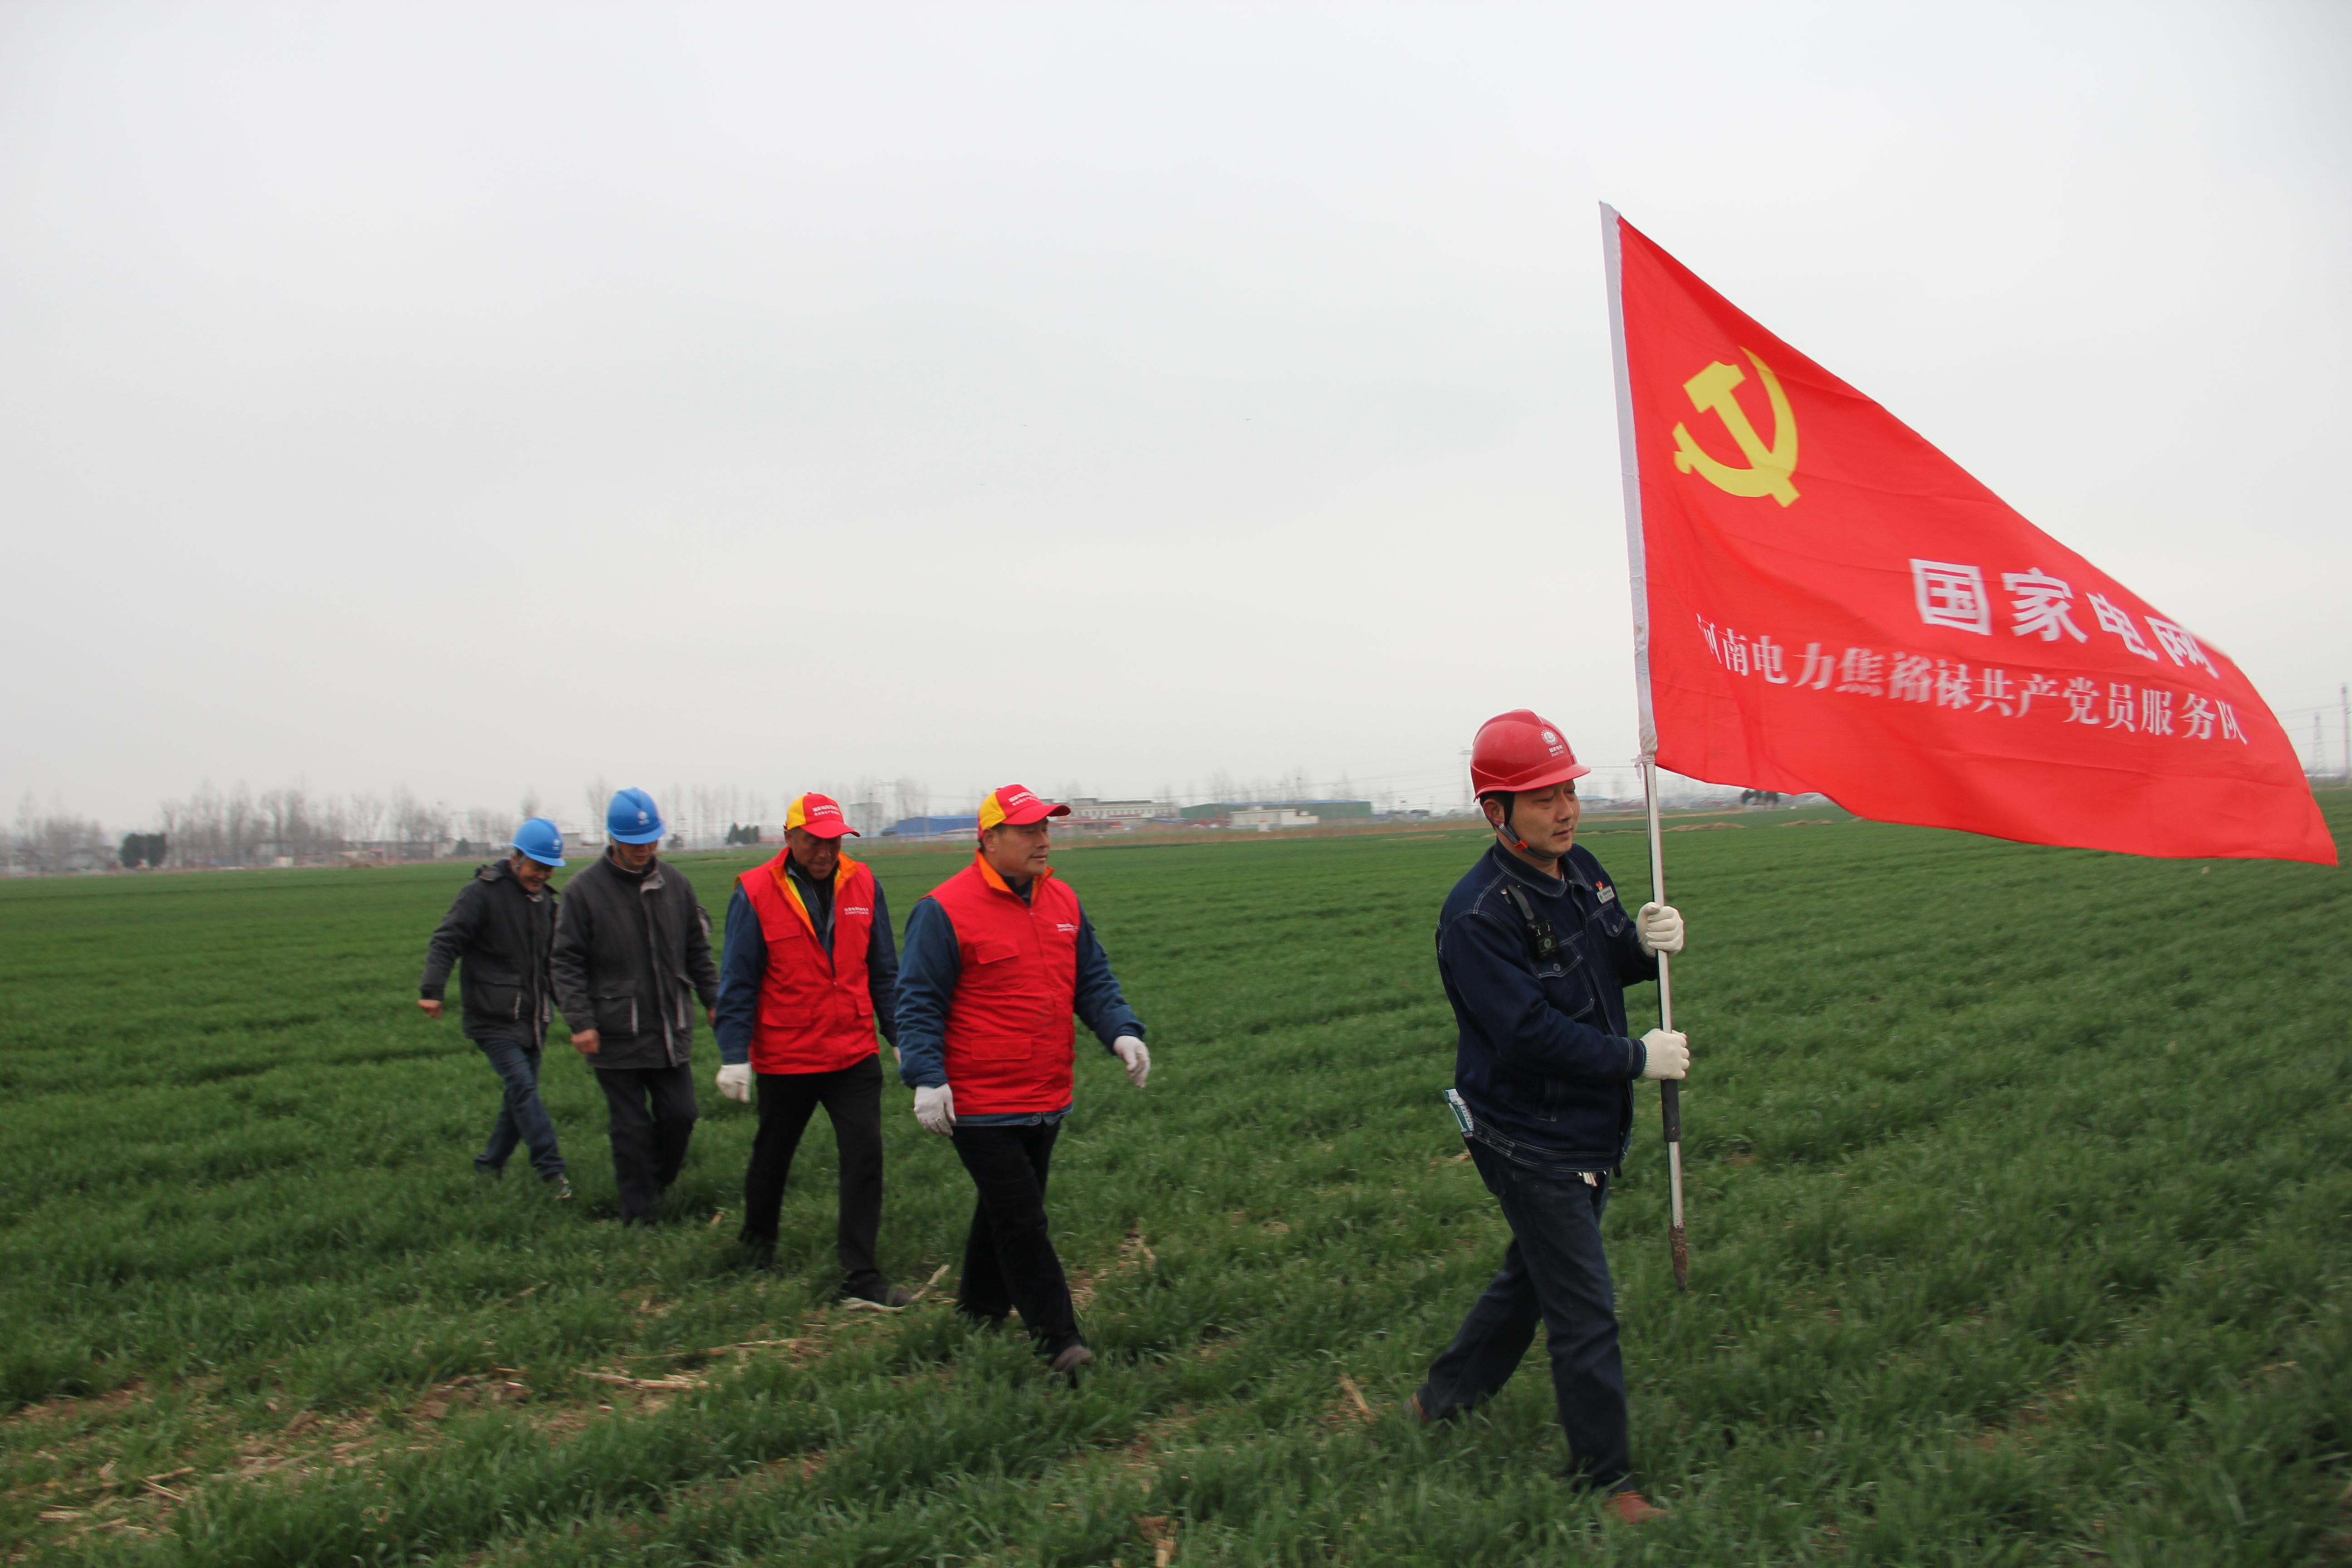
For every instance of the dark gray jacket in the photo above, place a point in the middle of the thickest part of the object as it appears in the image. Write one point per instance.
(632, 957)
(503, 936)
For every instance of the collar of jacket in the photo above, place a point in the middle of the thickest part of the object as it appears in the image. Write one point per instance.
(649, 878)
(1571, 874)
(988, 874)
(1519, 870)
(788, 877)
(503, 871)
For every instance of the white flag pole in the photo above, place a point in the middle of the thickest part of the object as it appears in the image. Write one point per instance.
(1670, 1101)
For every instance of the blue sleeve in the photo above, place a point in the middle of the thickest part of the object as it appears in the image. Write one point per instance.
(1492, 986)
(927, 982)
(1100, 1002)
(742, 962)
(1634, 967)
(882, 969)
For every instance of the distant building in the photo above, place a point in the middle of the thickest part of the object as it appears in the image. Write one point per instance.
(1266, 818)
(1321, 810)
(1089, 812)
(930, 827)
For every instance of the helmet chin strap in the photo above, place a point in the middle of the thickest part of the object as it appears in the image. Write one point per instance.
(1509, 834)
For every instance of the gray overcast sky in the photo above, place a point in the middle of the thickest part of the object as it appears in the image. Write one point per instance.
(492, 396)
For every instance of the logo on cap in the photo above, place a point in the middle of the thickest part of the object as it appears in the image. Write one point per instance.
(641, 819)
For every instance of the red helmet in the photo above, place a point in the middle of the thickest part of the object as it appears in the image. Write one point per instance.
(1520, 751)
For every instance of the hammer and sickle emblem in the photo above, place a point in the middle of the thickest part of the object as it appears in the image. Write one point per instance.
(1769, 468)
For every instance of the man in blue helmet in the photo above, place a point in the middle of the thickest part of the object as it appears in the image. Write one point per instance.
(502, 930)
(632, 957)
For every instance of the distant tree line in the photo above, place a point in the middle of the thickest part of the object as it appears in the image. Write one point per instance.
(42, 844)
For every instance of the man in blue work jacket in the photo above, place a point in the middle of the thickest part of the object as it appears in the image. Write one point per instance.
(1536, 951)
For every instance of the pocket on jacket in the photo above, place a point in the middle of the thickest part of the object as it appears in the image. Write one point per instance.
(617, 1013)
(491, 998)
(994, 951)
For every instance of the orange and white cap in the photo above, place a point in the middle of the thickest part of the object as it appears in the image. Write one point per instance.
(1016, 805)
(820, 815)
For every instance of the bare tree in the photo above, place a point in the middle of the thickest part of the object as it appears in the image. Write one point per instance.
(45, 844)
(366, 817)
(909, 797)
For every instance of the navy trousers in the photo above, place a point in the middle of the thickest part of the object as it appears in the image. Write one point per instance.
(651, 1115)
(522, 1116)
(1553, 1272)
(1009, 1259)
(852, 1098)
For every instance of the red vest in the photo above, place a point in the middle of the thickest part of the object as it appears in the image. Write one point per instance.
(814, 1012)
(1010, 1033)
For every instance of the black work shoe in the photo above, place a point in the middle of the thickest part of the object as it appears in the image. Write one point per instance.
(1072, 1358)
(488, 1175)
(559, 1189)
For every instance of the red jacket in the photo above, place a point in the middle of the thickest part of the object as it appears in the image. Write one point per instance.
(1010, 1033)
(815, 1012)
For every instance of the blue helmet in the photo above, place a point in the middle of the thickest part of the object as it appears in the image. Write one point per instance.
(542, 840)
(634, 818)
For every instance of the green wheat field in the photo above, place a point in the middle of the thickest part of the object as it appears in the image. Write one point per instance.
(2021, 1186)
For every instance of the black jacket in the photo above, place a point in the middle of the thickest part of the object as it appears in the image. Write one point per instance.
(1546, 1060)
(632, 957)
(503, 936)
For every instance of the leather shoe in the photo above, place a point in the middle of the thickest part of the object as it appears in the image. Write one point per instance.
(1632, 1508)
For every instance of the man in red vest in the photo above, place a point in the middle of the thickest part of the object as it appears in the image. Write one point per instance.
(999, 957)
(806, 974)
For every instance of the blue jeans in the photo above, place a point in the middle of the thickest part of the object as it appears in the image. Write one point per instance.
(1554, 1271)
(522, 1118)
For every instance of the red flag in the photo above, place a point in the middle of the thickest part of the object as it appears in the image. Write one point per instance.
(1824, 601)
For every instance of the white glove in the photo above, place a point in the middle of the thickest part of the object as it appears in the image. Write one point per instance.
(1137, 1055)
(935, 1108)
(1669, 1054)
(1660, 927)
(735, 1081)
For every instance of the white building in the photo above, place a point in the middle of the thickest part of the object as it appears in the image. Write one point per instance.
(1094, 813)
(1265, 819)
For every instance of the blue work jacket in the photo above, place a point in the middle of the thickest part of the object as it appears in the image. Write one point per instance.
(1544, 1058)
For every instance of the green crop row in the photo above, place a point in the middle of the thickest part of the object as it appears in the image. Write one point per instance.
(2021, 1186)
